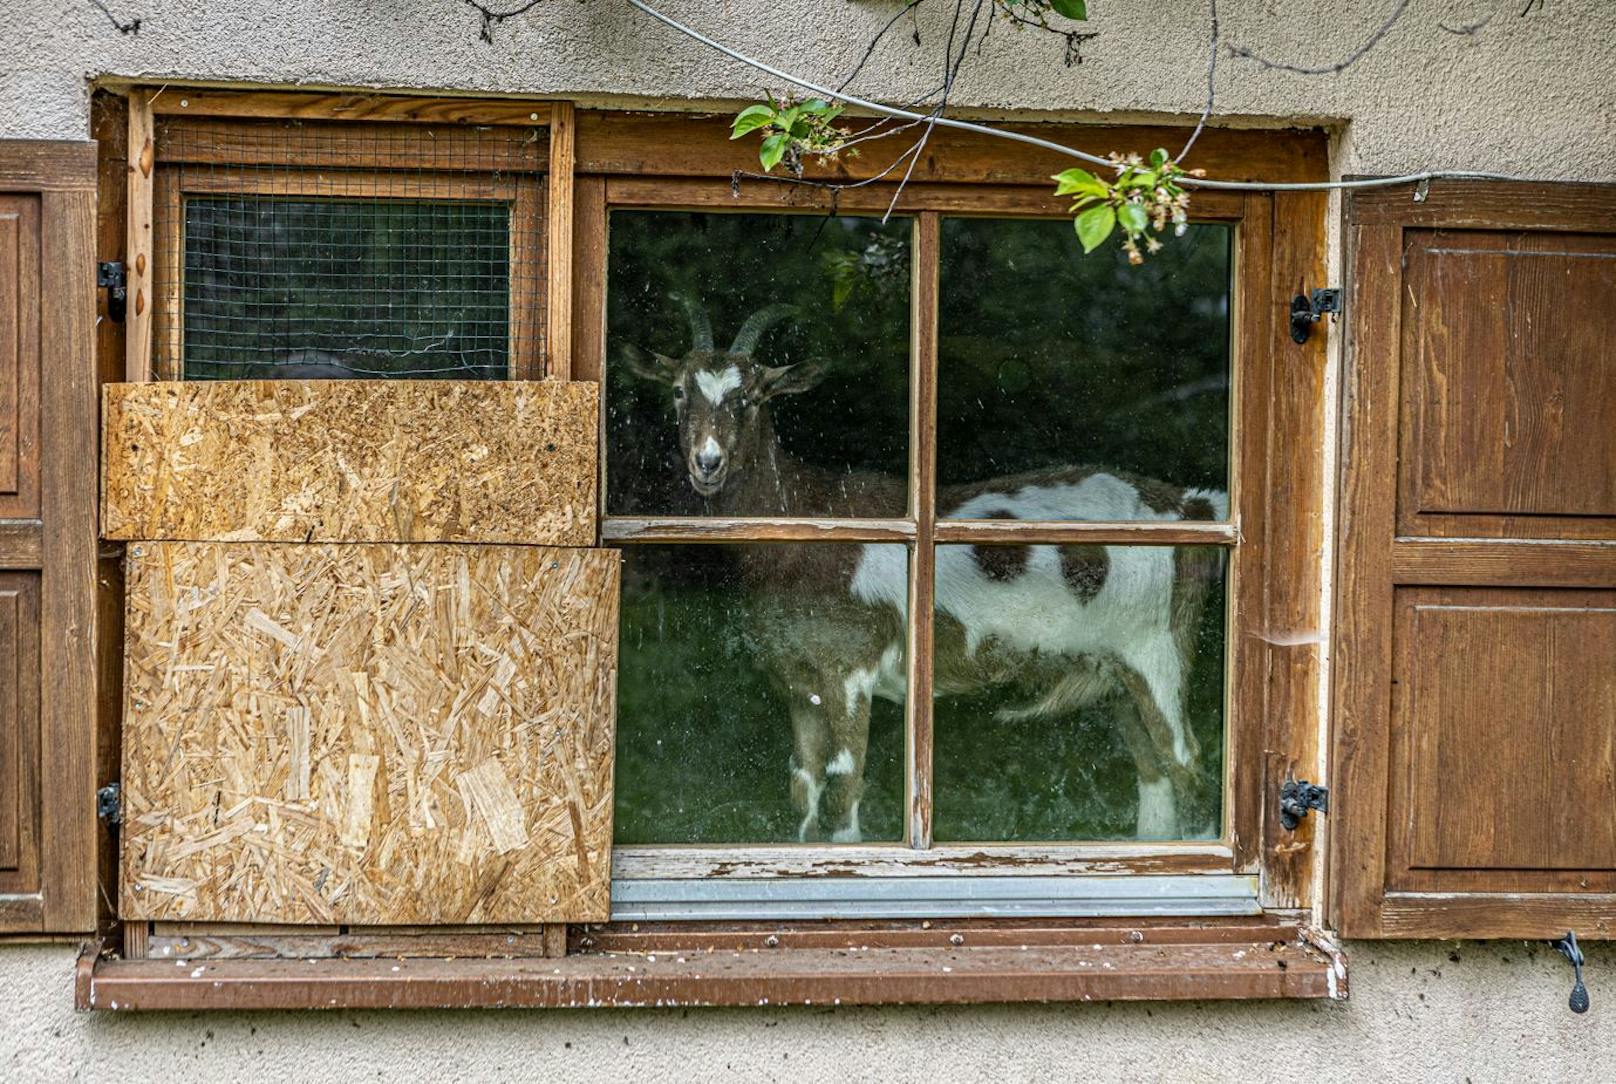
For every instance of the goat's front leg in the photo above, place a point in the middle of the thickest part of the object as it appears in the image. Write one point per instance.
(844, 771)
(811, 742)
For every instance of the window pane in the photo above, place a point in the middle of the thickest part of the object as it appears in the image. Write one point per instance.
(744, 694)
(1079, 693)
(317, 288)
(720, 400)
(1075, 387)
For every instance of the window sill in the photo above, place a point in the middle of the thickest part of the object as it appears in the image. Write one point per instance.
(889, 965)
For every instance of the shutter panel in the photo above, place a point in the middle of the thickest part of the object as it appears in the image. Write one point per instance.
(1475, 639)
(47, 537)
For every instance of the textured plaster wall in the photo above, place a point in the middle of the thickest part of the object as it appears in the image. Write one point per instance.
(1533, 94)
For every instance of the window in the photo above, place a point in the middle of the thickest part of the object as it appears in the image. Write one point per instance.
(936, 570)
(964, 580)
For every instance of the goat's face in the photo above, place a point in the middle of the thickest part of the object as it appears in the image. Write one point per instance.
(720, 398)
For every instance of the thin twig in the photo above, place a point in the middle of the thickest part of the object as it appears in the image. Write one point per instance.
(492, 18)
(1211, 85)
(910, 6)
(1328, 69)
(1467, 29)
(132, 26)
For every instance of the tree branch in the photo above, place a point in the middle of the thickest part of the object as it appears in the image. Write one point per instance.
(132, 26)
(492, 18)
(1328, 69)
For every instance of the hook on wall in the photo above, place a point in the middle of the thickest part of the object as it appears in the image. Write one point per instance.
(1567, 946)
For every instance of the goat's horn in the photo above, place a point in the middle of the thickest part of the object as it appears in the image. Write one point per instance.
(746, 339)
(701, 329)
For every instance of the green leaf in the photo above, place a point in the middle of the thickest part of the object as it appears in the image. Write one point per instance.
(1133, 217)
(814, 105)
(1080, 181)
(1094, 226)
(1158, 158)
(1072, 9)
(751, 119)
(773, 149)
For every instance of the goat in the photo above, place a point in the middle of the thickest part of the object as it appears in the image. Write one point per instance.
(1067, 624)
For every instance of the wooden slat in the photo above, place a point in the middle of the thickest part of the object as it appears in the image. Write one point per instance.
(922, 553)
(1492, 205)
(68, 620)
(20, 300)
(46, 165)
(1499, 915)
(1291, 633)
(588, 278)
(237, 941)
(351, 461)
(1016, 201)
(530, 249)
(339, 105)
(630, 863)
(1487, 562)
(19, 733)
(1261, 969)
(368, 734)
(674, 145)
(350, 145)
(987, 531)
(368, 184)
(139, 249)
(558, 288)
(22, 543)
(702, 529)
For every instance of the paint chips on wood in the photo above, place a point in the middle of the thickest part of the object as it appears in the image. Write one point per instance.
(368, 734)
(351, 461)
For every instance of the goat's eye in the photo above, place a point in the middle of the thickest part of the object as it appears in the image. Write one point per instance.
(678, 393)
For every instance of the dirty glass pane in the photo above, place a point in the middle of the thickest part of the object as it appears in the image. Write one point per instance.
(757, 365)
(757, 700)
(304, 289)
(1061, 683)
(1062, 375)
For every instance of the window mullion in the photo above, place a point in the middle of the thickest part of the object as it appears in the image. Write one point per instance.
(923, 507)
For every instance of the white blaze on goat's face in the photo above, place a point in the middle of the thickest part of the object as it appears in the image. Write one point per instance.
(717, 399)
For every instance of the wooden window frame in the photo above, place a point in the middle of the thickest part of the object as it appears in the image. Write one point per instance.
(599, 159)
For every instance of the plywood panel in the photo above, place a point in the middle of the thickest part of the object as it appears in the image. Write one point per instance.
(368, 734)
(1504, 721)
(19, 355)
(1511, 371)
(351, 460)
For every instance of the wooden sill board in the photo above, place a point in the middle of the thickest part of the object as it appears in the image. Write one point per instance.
(842, 976)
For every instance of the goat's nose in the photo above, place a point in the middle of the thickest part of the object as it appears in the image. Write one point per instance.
(709, 457)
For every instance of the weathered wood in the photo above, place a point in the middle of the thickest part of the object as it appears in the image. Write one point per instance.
(19, 732)
(681, 145)
(1474, 623)
(139, 247)
(558, 282)
(317, 144)
(988, 531)
(46, 165)
(630, 863)
(458, 703)
(718, 528)
(530, 272)
(22, 543)
(1108, 972)
(238, 941)
(347, 105)
(19, 354)
(351, 461)
(918, 738)
(588, 278)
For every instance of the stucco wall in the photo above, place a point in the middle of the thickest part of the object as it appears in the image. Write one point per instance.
(1533, 94)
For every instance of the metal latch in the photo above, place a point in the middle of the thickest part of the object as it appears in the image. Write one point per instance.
(1567, 946)
(1297, 797)
(110, 276)
(109, 804)
(1307, 310)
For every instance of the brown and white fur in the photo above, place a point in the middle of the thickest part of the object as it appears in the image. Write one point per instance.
(1059, 626)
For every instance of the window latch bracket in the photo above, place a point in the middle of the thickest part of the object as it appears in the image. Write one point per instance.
(1297, 797)
(110, 276)
(109, 804)
(1567, 946)
(1309, 309)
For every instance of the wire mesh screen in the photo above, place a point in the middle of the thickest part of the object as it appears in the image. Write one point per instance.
(308, 250)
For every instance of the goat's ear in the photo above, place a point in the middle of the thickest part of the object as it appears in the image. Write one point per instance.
(648, 365)
(792, 379)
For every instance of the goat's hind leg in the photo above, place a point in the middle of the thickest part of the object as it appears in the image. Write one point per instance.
(811, 741)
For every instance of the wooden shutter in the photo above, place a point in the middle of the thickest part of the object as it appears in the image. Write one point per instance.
(1475, 638)
(47, 537)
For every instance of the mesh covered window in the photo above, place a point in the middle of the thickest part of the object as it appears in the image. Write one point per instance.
(309, 250)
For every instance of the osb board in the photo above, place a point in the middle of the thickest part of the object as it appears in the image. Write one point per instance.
(368, 734)
(350, 461)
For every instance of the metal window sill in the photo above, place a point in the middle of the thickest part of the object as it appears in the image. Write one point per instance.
(1116, 963)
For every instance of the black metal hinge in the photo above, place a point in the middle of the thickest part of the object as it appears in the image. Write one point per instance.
(110, 276)
(109, 804)
(1307, 310)
(1297, 797)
